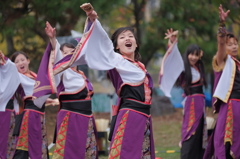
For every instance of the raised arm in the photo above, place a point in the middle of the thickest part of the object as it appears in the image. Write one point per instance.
(2, 59)
(221, 38)
(9, 77)
(90, 12)
(171, 36)
(51, 33)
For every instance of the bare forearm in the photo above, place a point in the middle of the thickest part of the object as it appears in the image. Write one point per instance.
(221, 39)
(53, 42)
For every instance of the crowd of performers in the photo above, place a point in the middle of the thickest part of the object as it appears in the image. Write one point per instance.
(23, 132)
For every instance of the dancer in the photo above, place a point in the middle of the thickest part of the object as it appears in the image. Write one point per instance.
(9, 84)
(132, 135)
(225, 141)
(192, 80)
(32, 141)
(76, 130)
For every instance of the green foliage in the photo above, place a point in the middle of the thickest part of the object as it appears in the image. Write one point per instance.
(196, 20)
(23, 22)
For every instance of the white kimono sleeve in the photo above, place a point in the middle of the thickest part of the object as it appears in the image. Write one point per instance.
(58, 53)
(9, 82)
(98, 50)
(172, 66)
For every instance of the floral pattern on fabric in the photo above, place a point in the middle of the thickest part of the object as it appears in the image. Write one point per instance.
(146, 151)
(11, 138)
(91, 145)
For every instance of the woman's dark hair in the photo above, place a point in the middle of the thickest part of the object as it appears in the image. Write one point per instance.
(15, 54)
(186, 79)
(230, 35)
(114, 38)
(69, 45)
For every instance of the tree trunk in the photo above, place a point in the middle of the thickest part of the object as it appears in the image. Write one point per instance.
(10, 45)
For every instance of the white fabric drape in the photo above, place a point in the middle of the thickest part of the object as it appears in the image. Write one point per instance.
(171, 68)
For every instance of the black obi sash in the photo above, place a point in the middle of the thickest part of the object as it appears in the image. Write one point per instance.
(78, 106)
(76, 102)
(196, 90)
(135, 105)
(30, 105)
(235, 94)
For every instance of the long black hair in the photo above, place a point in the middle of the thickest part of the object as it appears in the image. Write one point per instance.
(186, 77)
(114, 38)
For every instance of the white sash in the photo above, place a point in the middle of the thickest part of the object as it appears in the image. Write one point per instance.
(225, 84)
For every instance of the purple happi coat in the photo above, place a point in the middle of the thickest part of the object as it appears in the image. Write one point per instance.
(227, 104)
(76, 129)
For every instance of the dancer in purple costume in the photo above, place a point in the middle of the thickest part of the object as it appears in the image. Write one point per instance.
(31, 140)
(76, 129)
(192, 80)
(225, 140)
(131, 133)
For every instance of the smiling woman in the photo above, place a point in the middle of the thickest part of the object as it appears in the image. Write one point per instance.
(192, 80)
(131, 132)
(126, 43)
(29, 124)
(31, 143)
(22, 61)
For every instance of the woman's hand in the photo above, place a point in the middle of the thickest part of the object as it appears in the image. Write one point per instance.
(52, 102)
(90, 12)
(171, 35)
(2, 60)
(50, 31)
(222, 15)
(92, 15)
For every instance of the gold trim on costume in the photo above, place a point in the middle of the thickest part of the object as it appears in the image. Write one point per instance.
(217, 68)
(117, 143)
(42, 88)
(225, 100)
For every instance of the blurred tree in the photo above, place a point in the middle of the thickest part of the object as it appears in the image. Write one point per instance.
(196, 21)
(22, 22)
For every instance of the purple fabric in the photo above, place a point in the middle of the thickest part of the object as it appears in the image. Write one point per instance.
(133, 135)
(5, 119)
(152, 141)
(199, 103)
(216, 104)
(60, 87)
(208, 154)
(150, 84)
(219, 132)
(64, 59)
(76, 137)
(89, 84)
(216, 146)
(89, 24)
(20, 91)
(43, 75)
(34, 135)
(115, 78)
(78, 39)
